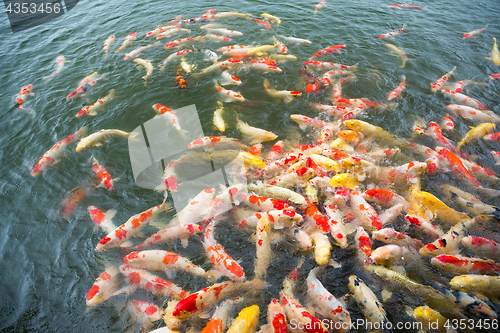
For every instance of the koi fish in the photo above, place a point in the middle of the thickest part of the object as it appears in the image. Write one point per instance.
(264, 22)
(392, 236)
(328, 50)
(476, 133)
(159, 30)
(96, 139)
(392, 33)
(464, 265)
(102, 220)
(495, 54)
(74, 199)
(367, 301)
(278, 192)
(429, 318)
(398, 51)
(441, 81)
(22, 96)
(146, 64)
(449, 242)
(448, 123)
(495, 76)
(127, 42)
(152, 283)
(195, 302)
(254, 135)
(228, 79)
(110, 40)
(473, 114)
(365, 212)
(210, 55)
(225, 32)
(295, 40)
(461, 98)
(478, 284)
(230, 95)
(226, 64)
(396, 93)
(130, 228)
(102, 174)
(144, 313)
(439, 208)
(183, 42)
(138, 51)
(216, 142)
(169, 235)
(271, 18)
(319, 6)
(218, 321)
(157, 260)
(53, 155)
(285, 95)
(91, 110)
(103, 287)
(169, 115)
(218, 120)
(263, 245)
(60, 61)
(482, 246)
(82, 89)
(171, 32)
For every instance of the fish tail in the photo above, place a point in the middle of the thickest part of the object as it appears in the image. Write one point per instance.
(354, 67)
(496, 213)
(82, 132)
(183, 133)
(47, 78)
(133, 136)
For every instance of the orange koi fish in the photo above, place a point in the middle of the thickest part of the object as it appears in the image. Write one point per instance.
(396, 93)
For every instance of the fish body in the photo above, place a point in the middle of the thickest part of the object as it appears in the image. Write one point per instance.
(254, 135)
(53, 155)
(398, 51)
(263, 22)
(230, 95)
(474, 33)
(247, 320)
(439, 208)
(328, 50)
(367, 301)
(396, 93)
(277, 192)
(495, 76)
(285, 95)
(150, 282)
(448, 123)
(157, 260)
(170, 234)
(319, 6)
(130, 228)
(138, 51)
(91, 110)
(464, 265)
(102, 174)
(103, 287)
(225, 32)
(23, 95)
(218, 120)
(442, 80)
(263, 245)
(127, 42)
(476, 133)
(60, 62)
(297, 314)
(146, 64)
(448, 243)
(110, 40)
(82, 89)
(171, 32)
(495, 54)
(392, 33)
(169, 114)
(295, 40)
(96, 139)
(474, 114)
(221, 65)
(271, 18)
(478, 284)
(228, 79)
(461, 98)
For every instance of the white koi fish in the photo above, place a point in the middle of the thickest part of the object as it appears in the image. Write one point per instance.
(138, 51)
(60, 61)
(228, 79)
(263, 243)
(110, 40)
(218, 120)
(495, 54)
(146, 64)
(474, 33)
(91, 110)
(127, 42)
(171, 57)
(224, 32)
(474, 114)
(52, 156)
(210, 55)
(254, 135)
(96, 139)
(285, 95)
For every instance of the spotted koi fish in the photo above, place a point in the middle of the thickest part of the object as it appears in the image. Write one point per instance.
(448, 243)
(127, 42)
(392, 33)
(102, 174)
(130, 228)
(171, 234)
(103, 220)
(103, 287)
(396, 93)
(218, 321)
(23, 94)
(91, 110)
(229, 95)
(442, 80)
(464, 265)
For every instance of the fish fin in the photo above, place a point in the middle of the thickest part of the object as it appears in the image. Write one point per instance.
(128, 290)
(98, 144)
(139, 67)
(184, 242)
(170, 273)
(386, 294)
(183, 133)
(334, 264)
(213, 275)
(205, 313)
(47, 78)
(354, 67)
(133, 136)
(126, 244)
(92, 113)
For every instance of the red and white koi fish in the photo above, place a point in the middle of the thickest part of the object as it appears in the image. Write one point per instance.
(130, 228)
(365, 212)
(326, 304)
(235, 49)
(405, 6)
(216, 38)
(74, 198)
(495, 76)
(157, 260)
(296, 313)
(263, 245)
(102, 220)
(295, 40)
(159, 30)
(22, 96)
(328, 50)
(264, 22)
(205, 297)
(449, 242)
(52, 156)
(217, 142)
(276, 320)
(264, 68)
(398, 51)
(363, 246)
(458, 168)
(271, 18)
(230, 95)
(197, 209)
(88, 78)
(279, 218)
(183, 42)
(169, 235)
(171, 32)
(91, 110)
(383, 197)
(328, 77)
(60, 61)
(425, 225)
(474, 33)
(144, 313)
(394, 255)
(102, 174)
(150, 282)
(392, 236)
(224, 32)
(474, 114)
(367, 301)
(110, 40)
(139, 50)
(331, 109)
(442, 80)
(228, 79)
(396, 93)
(461, 98)
(281, 47)
(224, 201)
(104, 286)
(464, 265)
(319, 6)
(448, 123)
(220, 318)
(285, 95)
(82, 89)
(337, 228)
(169, 115)
(127, 42)
(482, 246)
(392, 33)
(434, 131)
(221, 65)
(266, 204)
(221, 260)
(323, 65)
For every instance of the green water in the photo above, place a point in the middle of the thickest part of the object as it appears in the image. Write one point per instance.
(47, 263)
